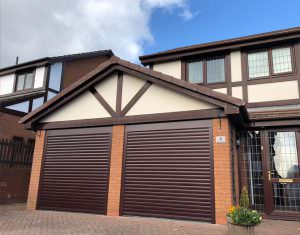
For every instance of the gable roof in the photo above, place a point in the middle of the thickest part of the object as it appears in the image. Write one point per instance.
(116, 63)
(233, 43)
(45, 60)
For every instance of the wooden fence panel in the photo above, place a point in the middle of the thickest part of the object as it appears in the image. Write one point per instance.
(16, 153)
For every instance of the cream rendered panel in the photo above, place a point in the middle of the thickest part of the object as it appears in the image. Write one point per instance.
(221, 90)
(237, 92)
(7, 84)
(172, 68)
(161, 100)
(236, 66)
(273, 91)
(39, 77)
(108, 89)
(131, 85)
(86, 106)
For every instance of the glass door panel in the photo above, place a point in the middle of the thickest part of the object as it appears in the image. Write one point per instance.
(283, 170)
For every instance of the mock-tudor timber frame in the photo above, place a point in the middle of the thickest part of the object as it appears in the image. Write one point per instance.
(228, 105)
(280, 38)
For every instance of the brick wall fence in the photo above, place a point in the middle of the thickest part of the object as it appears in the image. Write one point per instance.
(222, 170)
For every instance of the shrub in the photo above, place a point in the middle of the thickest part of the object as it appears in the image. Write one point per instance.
(242, 215)
(244, 201)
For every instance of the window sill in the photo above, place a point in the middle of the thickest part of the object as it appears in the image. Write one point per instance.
(23, 92)
(273, 78)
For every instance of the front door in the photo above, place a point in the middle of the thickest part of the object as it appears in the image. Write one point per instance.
(269, 168)
(281, 154)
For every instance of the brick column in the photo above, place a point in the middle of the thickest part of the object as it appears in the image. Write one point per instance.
(222, 170)
(36, 170)
(115, 174)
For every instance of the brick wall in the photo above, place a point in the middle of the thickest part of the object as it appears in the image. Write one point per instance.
(222, 170)
(10, 127)
(115, 175)
(75, 69)
(14, 183)
(36, 170)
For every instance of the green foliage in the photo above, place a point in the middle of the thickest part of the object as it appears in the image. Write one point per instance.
(242, 215)
(244, 201)
(245, 217)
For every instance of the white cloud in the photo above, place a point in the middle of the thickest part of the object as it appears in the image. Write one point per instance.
(33, 28)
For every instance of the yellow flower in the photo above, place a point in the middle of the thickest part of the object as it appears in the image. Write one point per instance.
(231, 209)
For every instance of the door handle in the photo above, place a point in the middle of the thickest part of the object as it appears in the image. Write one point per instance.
(269, 175)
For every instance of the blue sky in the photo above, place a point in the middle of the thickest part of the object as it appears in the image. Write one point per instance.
(220, 19)
(131, 27)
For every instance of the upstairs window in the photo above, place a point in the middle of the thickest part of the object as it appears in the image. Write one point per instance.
(282, 61)
(55, 76)
(215, 70)
(268, 62)
(24, 81)
(207, 71)
(195, 72)
(258, 64)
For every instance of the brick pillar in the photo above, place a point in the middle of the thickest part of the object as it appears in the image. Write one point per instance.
(222, 170)
(36, 170)
(115, 175)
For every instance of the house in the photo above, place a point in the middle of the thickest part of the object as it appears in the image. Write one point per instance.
(26, 86)
(178, 139)
(23, 88)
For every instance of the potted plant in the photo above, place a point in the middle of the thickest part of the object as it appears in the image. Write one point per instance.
(240, 219)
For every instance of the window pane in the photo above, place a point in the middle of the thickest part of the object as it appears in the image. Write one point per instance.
(22, 107)
(282, 60)
(55, 76)
(29, 81)
(50, 95)
(258, 64)
(37, 102)
(283, 155)
(20, 82)
(7, 84)
(195, 72)
(215, 70)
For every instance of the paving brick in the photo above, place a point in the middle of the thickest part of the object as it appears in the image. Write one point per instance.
(14, 219)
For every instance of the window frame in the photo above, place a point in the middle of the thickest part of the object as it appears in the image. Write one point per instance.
(204, 60)
(270, 61)
(19, 73)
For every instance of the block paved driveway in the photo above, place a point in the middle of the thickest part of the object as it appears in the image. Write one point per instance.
(15, 220)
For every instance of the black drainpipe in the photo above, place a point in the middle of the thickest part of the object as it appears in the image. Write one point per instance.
(232, 149)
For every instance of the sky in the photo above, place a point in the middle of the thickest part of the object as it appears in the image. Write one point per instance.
(32, 29)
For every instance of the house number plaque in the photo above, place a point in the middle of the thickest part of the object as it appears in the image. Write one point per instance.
(220, 139)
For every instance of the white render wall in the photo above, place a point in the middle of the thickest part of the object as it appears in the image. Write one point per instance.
(273, 91)
(172, 68)
(86, 106)
(236, 66)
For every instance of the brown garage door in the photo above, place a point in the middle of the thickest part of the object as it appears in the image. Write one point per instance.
(168, 171)
(75, 172)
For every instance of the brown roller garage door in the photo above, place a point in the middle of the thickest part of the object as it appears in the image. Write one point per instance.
(75, 173)
(168, 171)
